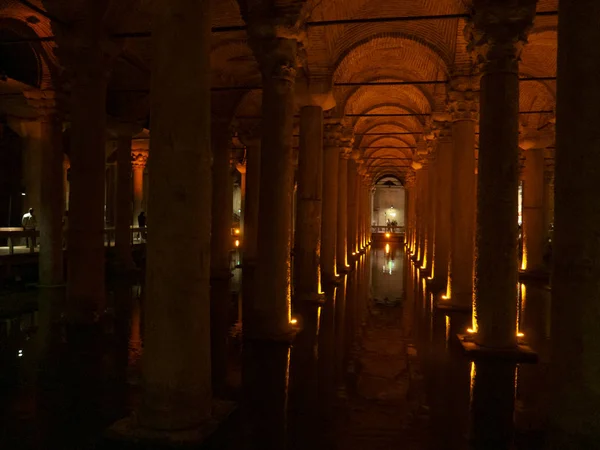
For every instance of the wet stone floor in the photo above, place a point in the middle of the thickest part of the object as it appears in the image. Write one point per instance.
(375, 367)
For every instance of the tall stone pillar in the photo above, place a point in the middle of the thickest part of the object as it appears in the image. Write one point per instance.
(423, 218)
(462, 104)
(342, 206)
(65, 181)
(124, 202)
(139, 159)
(110, 187)
(87, 61)
(409, 186)
(443, 206)
(575, 368)
(220, 249)
(498, 35)
(548, 196)
(331, 159)
(276, 55)
(45, 135)
(307, 244)
(352, 208)
(249, 237)
(431, 209)
(176, 364)
(534, 234)
(241, 168)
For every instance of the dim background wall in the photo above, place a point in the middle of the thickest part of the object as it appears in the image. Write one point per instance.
(384, 198)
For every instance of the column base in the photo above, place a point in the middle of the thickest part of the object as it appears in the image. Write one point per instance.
(534, 275)
(446, 304)
(129, 432)
(344, 270)
(522, 353)
(310, 297)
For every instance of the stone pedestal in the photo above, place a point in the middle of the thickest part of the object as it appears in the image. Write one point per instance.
(123, 203)
(496, 265)
(575, 372)
(331, 158)
(176, 363)
(534, 234)
(463, 106)
(307, 245)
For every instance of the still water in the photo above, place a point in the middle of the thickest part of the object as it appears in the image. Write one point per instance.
(375, 366)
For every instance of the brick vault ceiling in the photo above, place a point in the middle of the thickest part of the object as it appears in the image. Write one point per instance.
(363, 52)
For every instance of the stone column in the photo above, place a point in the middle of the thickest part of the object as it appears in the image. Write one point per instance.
(330, 193)
(123, 202)
(575, 340)
(409, 186)
(352, 208)
(241, 168)
(176, 362)
(423, 198)
(548, 196)
(462, 104)
(139, 159)
(431, 209)
(46, 135)
(110, 187)
(498, 34)
(534, 234)
(276, 55)
(249, 247)
(307, 245)
(65, 181)
(342, 207)
(87, 62)
(220, 249)
(443, 206)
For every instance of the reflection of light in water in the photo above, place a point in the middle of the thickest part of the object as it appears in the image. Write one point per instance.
(20, 353)
(387, 249)
(472, 382)
(447, 330)
(521, 308)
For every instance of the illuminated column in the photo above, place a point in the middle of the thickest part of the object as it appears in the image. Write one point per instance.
(241, 168)
(44, 139)
(176, 363)
(331, 157)
(422, 198)
(342, 205)
(65, 181)
(575, 340)
(307, 243)
(431, 209)
(276, 55)
(498, 35)
(417, 166)
(534, 234)
(220, 250)
(462, 104)
(123, 201)
(139, 160)
(249, 237)
(352, 207)
(443, 199)
(409, 186)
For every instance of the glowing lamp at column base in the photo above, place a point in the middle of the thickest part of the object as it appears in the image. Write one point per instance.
(470, 331)
(294, 321)
(387, 235)
(237, 243)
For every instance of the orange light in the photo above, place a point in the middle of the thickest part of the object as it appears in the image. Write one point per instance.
(387, 248)
(470, 330)
(237, 242)
(236, 231)
(444, 297)
(294, 321)
(387, 235)
(519, 334)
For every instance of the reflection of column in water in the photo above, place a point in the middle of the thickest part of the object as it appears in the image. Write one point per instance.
(265, 374)
(340, 336)
(303, 393)
(351, 314)
(492, 404)
(326, 358)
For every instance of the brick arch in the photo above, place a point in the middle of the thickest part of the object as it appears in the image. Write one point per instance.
(383, 127)
(13, 23)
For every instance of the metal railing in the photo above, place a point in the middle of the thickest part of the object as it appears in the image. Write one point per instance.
(375, 229)
(14, 235)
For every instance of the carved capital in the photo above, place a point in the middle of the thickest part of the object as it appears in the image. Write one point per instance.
(139, 158)
(332, 134)
(498, 31)
(409, 180)
(45, 102)
(463, 98)
(442, 131)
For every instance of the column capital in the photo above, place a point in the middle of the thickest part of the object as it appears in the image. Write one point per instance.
(463, 98)
(45, 102)
(311, 91)
(409, 180)
(442, 131)
(532, 138)
(346, 143)
(498, 31)
(332, 133)
(139, 158)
